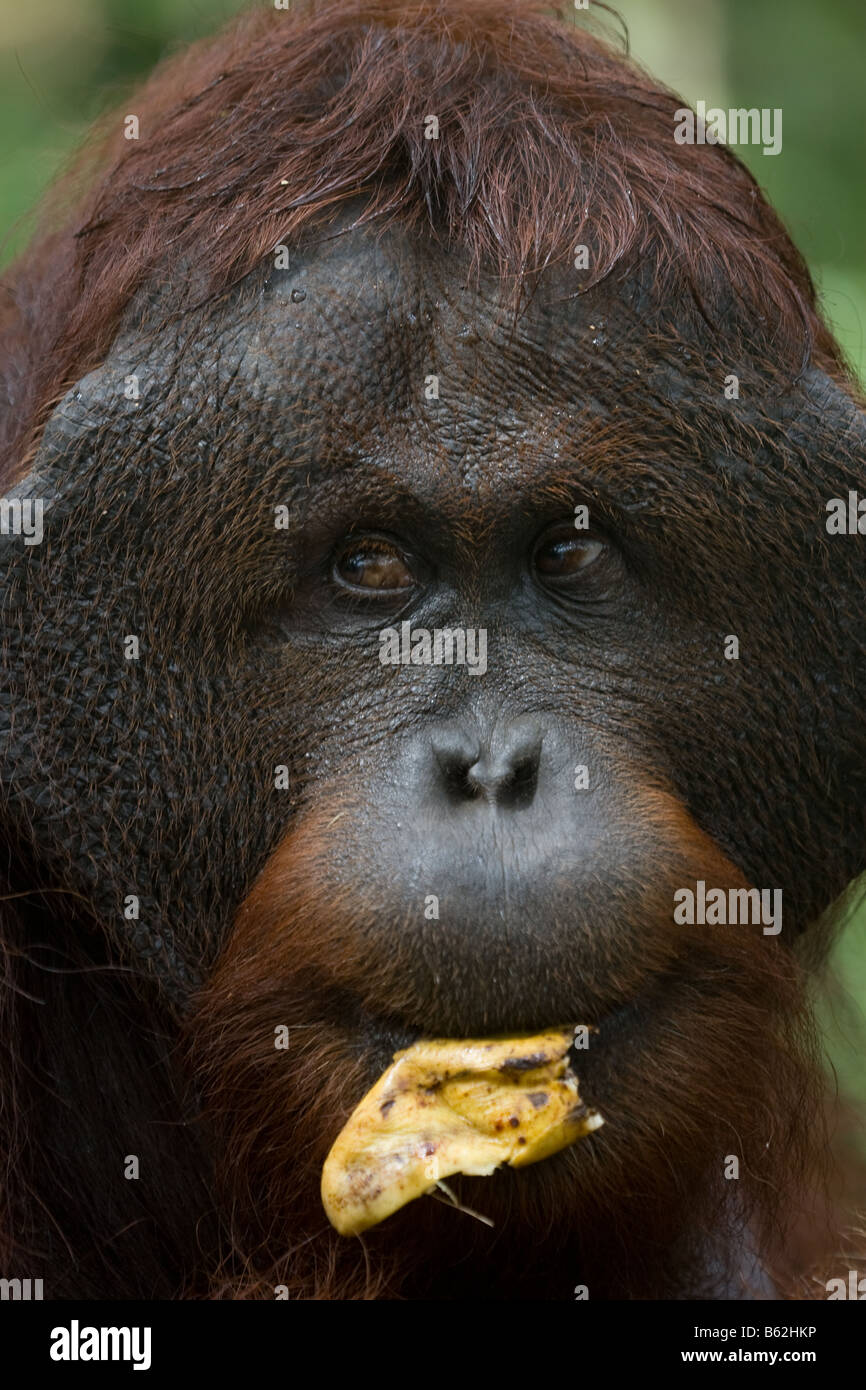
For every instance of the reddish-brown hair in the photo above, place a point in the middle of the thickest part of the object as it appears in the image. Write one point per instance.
(548, 139)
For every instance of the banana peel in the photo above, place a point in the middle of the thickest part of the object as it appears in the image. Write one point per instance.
(450, 1106)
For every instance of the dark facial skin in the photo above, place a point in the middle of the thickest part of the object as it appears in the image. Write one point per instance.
(605, 649)
(312, 397)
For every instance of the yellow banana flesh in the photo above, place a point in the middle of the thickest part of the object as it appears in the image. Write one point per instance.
(452, 1106)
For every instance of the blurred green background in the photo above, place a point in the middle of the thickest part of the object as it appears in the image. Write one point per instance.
(62, 64)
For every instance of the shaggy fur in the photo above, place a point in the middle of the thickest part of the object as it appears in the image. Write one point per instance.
(156, 1039)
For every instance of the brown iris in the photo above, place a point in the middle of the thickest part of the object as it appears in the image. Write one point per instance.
(372, 564)
(564, 553)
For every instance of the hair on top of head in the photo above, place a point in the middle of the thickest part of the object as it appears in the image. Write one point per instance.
(548, 139)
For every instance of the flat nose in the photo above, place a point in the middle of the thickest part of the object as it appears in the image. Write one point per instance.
(503, 772)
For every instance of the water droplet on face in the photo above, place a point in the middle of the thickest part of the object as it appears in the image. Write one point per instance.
(298, 296)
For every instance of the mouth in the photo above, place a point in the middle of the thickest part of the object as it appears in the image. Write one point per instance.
(591, 1056)
(447, 1107)
(381, 1035)
(434, 1107)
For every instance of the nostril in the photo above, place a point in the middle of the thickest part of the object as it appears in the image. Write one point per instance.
(469, 771)
(509, 782)
(525, 773)
(456, 753)
(518, 787)
(462, 783)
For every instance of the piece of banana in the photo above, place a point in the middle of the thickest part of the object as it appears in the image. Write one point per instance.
(452, 1106)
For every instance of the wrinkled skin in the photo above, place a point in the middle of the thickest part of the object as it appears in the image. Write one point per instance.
(319, 405)
(156, 777)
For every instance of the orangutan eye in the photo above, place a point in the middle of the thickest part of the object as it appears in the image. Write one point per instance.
(561, 554)
(372, 564)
